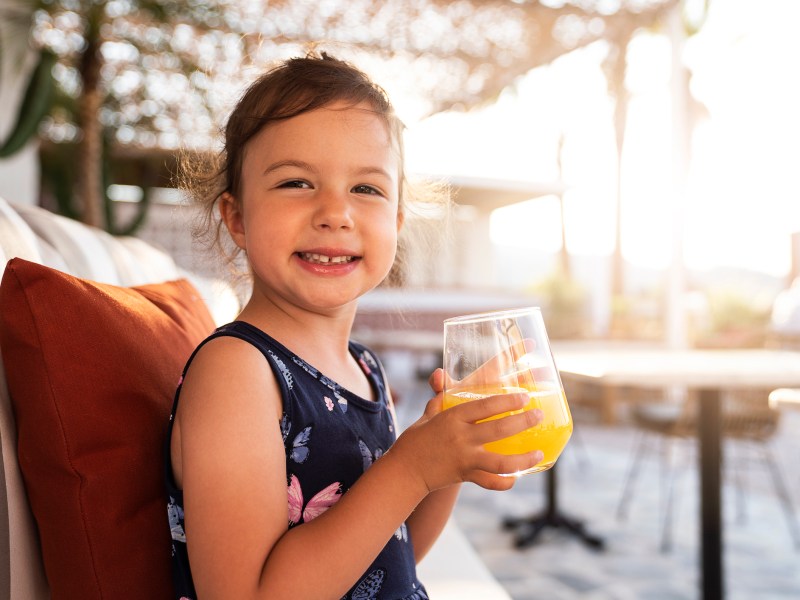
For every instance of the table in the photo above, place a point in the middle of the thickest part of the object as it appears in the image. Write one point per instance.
(709, 373)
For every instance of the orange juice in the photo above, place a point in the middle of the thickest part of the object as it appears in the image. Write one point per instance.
(550, 436)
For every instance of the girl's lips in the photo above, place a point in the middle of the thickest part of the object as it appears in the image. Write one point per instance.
(328, 263)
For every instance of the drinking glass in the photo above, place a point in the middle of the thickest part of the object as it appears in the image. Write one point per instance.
(506, 352)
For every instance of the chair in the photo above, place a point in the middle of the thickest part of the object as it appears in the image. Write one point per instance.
(749, 422)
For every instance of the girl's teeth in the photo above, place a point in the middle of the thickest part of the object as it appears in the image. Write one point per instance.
(322, 259)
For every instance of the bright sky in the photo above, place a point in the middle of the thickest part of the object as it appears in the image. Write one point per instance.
(743, 196)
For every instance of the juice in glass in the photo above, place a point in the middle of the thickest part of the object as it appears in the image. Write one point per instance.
(504, 352)
(550, 436)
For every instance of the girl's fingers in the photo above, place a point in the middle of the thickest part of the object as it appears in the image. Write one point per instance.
(436, 381)
(483, 408)
(497, 429)
(510, 463)
(491, 481)
(492, 466)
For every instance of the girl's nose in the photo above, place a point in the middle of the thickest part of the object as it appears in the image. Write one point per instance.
(334, 211)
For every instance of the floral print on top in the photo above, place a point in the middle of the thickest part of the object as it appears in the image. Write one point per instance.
(331, 436)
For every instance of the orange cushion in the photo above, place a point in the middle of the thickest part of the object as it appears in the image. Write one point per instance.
(92, 369)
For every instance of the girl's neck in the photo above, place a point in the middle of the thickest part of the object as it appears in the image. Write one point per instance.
(319, 339)
(308, 334)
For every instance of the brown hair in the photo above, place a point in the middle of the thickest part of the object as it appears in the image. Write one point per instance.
(294, 87)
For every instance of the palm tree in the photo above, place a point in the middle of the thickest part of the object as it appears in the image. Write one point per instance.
(74, 36)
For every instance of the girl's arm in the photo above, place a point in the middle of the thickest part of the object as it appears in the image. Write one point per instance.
(429, 518)
(229, 459)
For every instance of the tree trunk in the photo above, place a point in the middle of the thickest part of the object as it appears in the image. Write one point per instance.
(89, 188)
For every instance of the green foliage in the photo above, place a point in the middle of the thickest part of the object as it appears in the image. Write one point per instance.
(35, 105)
(733, 319)
(112, 225)
(566, 305)
(730, 310)
(90, 48)
(58, 175)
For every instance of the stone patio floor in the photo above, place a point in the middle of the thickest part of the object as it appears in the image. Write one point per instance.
(761, 560)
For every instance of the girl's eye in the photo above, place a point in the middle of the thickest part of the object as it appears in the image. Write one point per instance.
(295, 184)
(366, 189)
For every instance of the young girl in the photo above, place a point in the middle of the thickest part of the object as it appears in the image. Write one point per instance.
(286, 477)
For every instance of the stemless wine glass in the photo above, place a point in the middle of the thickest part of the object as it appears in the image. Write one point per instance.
(506, 352)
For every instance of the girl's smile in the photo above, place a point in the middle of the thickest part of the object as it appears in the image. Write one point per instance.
(329, 262)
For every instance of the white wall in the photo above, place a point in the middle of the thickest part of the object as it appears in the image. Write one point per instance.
(19, 174)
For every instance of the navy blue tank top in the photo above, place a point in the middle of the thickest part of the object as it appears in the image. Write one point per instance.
(331, 436)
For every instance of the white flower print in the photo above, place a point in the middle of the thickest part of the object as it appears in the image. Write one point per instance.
(369, 587)
(342, 402)
(287, 375)
(175, 515)
(305, 366)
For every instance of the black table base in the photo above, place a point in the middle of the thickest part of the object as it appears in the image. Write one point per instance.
(527, 529)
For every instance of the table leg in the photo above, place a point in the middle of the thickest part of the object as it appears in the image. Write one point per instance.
(709, 430)
(608, 405)
(528, 528)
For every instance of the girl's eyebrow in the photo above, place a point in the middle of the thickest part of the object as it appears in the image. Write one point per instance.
(375, 171)
(288, 163)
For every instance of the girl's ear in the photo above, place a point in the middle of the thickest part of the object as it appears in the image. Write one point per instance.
(230, 211)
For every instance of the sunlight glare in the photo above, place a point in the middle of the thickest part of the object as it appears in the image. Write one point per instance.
(742, 200)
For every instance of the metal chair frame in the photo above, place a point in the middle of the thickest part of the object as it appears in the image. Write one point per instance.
(748, 419)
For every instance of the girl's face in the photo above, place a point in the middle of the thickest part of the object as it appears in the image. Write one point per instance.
(318, 215)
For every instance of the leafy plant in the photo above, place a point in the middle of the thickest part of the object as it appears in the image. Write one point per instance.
(566, 305)
(730, 311)
(36, 103)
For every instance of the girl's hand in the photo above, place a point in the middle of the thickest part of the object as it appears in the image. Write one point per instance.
(446, 447)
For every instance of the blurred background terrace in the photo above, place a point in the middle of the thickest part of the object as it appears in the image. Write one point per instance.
(628, 165)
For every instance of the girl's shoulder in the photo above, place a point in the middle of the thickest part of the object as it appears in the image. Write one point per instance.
(225, 358)
(223, 344)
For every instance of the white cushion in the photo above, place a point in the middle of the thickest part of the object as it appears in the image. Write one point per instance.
(79, 245)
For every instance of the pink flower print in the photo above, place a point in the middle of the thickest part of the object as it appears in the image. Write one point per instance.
(364, 365)
(329, 403)
(321, 501)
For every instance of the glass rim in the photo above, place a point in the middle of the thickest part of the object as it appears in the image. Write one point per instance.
(492, 314)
